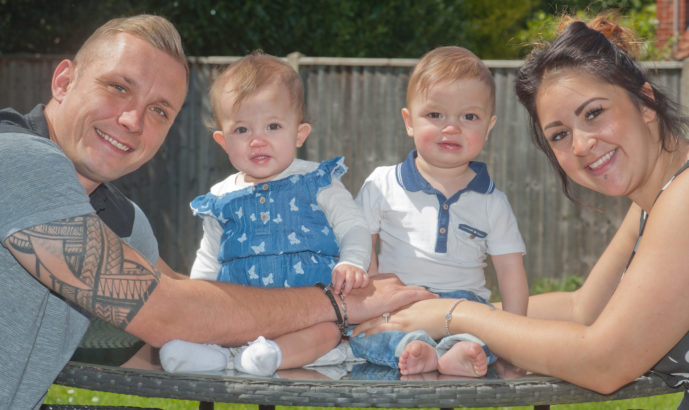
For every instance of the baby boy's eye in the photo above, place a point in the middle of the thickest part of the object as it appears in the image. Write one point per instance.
(471, 117)
(274, 126)
(434, 115)
(240, 130)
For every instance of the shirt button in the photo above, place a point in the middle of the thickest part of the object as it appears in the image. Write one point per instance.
(264, 217)
(265, 187)
(442, 231)
(262, 200)
(446, 206)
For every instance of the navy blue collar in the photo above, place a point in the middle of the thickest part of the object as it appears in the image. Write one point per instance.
(409, 178)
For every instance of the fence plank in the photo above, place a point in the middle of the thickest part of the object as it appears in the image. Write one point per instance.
(354, 106)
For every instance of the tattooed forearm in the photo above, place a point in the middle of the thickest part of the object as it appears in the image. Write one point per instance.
(87, 264)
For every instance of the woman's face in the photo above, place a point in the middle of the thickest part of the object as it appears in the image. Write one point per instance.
(600, 138)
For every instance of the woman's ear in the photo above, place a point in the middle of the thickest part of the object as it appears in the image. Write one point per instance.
(63, 76)
(648, 113)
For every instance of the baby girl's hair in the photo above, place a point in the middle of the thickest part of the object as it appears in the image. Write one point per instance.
(448, 63)
(251, 73)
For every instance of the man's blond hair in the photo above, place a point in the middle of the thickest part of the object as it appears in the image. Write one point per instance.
(155, 30)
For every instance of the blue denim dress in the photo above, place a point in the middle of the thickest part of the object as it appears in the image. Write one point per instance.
(274, 233)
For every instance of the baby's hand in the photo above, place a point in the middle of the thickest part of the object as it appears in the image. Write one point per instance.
(346, 277)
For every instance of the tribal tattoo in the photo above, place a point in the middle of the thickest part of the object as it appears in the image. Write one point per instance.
(86, 263)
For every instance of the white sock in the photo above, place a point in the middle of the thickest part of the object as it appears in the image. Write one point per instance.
(182, 356)
(261, 358)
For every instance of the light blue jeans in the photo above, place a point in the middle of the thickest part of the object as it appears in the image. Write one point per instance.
(385, 348)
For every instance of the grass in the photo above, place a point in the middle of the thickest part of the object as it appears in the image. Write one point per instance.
(68, 395)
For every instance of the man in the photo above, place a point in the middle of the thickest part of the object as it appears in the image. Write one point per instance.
(111, 109)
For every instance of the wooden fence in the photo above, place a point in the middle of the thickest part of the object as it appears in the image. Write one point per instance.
(354, 106)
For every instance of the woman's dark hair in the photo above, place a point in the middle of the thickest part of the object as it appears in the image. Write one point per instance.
(602, 49)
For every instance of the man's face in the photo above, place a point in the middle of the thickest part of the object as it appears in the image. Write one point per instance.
(110, 113)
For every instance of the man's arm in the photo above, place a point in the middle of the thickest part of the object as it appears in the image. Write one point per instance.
(87, 264)
(166, 270)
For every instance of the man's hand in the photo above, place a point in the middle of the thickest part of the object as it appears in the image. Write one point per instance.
(384, 293)
(346, 277)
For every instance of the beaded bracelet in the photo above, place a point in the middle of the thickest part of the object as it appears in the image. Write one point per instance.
(340, 322)
(345, 323)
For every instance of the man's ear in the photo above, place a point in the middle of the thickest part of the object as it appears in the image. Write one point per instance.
(406, 116)
(648, 113)
(63, 76)
(303, 132)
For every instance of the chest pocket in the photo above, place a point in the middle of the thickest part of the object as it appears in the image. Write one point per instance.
(471, 244)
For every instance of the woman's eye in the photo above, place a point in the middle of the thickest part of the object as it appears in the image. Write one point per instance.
(592, 114)
(558, 136)
(119, 88)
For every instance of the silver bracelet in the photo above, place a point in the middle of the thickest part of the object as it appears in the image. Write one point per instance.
(448, 315)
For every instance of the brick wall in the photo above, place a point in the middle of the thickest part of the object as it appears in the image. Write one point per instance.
(665, 11)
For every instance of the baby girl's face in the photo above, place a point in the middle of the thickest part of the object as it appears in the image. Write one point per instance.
(261, 135)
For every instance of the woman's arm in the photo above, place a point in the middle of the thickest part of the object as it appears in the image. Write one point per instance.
(590, 338)
(585, 304)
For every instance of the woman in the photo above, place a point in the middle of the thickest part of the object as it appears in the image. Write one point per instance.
(604, 126)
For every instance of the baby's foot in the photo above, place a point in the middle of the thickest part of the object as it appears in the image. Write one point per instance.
(418, 357)
(177, 356)
(261, 358)
(464, 359)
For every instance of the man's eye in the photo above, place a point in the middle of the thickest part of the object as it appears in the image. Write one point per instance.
(160, 111)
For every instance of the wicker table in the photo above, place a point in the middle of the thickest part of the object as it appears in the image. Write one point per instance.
(142, 376)
(533, 391)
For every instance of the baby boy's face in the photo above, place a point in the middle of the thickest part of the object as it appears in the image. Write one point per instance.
(450, 123)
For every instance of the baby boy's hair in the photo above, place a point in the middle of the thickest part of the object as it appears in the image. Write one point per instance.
(448, 63)
(252, 72)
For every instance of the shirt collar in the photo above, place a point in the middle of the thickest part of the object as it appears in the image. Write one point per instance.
(37, 121)
(409, 177)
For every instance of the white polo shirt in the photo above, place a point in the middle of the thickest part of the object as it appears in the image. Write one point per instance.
(437, 242)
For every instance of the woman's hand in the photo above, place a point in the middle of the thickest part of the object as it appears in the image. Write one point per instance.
(384, 293)
(428, 315)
